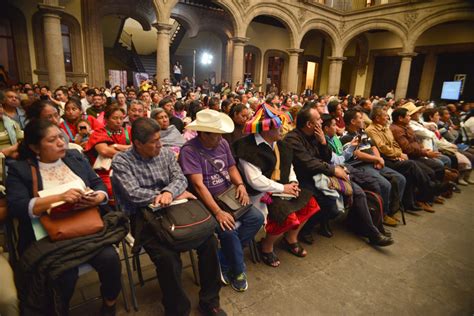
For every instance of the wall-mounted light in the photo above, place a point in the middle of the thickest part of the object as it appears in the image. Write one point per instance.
(206, 58)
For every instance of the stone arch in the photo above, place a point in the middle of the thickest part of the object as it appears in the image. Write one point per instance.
(127, 11)
(284, 77)
(187, 18)
(278, 12)
(76, 47)
(383, 24)
(164, 10)
(20, 41)
(327, 28)
(437, 19)
(194, 24)
(258, 62)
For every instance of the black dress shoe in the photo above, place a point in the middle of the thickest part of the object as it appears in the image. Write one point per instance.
(413, 208)
(381, 241)
(307, 238)
(325, 230)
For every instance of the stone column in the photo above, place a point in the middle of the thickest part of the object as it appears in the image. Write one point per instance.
(53, 44)
(238, 60)
(404, 75)
(93, 43)
(427, 76)
(292, 84)
(335, 69)
(162, 51)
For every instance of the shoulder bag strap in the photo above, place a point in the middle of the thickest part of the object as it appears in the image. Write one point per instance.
(34, 178)
(209, 159)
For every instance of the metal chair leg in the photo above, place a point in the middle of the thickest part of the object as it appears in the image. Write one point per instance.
(139, 270)
(124, 297)
(402, 210)
(253, 255)
(131, 282)
(193, 265)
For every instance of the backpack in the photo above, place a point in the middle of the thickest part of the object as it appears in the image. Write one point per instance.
(375, 204)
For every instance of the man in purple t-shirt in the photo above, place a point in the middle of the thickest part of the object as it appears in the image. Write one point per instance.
(209, 179)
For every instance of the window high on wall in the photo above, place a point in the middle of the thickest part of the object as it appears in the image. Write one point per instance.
(66, 36)
(8, 66)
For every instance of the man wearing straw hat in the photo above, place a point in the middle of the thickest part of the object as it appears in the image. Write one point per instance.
(208, 163)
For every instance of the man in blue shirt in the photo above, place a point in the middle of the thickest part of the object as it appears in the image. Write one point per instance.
(149, 174)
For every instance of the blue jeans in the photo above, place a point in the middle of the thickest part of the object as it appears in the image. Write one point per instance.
(231, 254)
(384, 184)
(445, 160)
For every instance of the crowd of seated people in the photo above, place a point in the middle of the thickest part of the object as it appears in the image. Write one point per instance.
(298, 162)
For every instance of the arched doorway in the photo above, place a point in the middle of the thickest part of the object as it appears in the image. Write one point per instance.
(14, 52)
(271, 36)
(314, 66)
(447, 51)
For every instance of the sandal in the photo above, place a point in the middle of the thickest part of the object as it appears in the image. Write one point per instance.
(295, 248)
(269, 258)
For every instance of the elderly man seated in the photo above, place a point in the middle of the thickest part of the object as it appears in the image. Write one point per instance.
(208, 163)
(148, 173)
(416, 174)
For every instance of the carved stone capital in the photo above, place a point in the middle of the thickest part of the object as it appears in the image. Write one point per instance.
(407, 55)
(294, 51)
(163, 28)
(239, 40)
(52, 10)
(337, 59)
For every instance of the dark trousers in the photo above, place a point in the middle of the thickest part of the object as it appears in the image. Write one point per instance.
(107, 264)
(359, 212)
(417, 176)
(434, 164)
(168, 266)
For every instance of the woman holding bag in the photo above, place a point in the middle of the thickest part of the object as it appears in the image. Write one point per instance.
(45, 164)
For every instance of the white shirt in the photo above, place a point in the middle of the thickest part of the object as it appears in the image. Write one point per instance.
(257, 180)
(261, 183)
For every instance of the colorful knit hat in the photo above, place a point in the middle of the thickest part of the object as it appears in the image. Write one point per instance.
(266, 117)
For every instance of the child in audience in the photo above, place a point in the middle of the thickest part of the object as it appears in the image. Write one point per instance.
(83, 132)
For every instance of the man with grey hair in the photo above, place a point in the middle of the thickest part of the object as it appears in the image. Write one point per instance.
(253, 105)
(136, 109)
(147, 174)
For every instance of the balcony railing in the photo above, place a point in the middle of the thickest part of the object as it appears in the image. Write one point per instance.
(351, 5)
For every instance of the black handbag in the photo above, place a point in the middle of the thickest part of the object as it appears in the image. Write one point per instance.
(182, 226)
(227, 200)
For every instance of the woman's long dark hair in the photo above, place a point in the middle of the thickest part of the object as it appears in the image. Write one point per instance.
(34, 131)
(35, 109)
(236, 109)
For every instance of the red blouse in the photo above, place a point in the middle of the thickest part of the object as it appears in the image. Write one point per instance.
(71, 130)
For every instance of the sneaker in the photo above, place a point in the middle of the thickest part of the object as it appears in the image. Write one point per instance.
(207, 310)
(225, 277)
(239, 283)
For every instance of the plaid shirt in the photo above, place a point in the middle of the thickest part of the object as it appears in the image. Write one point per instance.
(137, 181)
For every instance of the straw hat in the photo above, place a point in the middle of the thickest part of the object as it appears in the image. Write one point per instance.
(412, 108)
(212, 122)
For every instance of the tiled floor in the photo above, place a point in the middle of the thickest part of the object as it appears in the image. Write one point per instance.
(428, 271)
